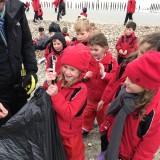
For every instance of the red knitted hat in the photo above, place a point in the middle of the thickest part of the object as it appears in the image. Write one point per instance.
(145, 70)
(77, 56)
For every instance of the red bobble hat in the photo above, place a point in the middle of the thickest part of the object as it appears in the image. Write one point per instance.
(76, 56)
(145, 70)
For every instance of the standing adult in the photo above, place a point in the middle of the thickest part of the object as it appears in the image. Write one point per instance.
(61, 8)
(16, 48)
(131, 6)
(35, 4)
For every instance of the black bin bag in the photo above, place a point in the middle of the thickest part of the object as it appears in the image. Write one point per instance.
(32, 134)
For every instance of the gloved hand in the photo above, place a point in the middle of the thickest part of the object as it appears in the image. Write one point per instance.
(29, 82)
(106, 124)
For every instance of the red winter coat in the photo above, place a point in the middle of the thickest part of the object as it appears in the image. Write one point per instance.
(127, 43)
(83, 14)
(58, 63)
(56, 3)
(40, 12)
(141, 139)
(131, 6)
(113, 85)
(35, 4)
(95, 84)
(69, 112)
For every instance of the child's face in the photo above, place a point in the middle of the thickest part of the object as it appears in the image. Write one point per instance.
(97, 51)
(132, 87)
(82, 36)
(128, 31)
(143, 48)
(57, 45)
(70, 73)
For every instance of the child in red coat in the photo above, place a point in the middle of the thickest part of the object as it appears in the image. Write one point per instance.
(84, 13)
(101, 68)
(69, 98)
(58, 45)
(131, 6)
(127, 43)
(83, 32)
(148, 42)
(133, 117)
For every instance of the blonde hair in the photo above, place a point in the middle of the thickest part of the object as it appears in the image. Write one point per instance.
(94, 28)
(82, 25)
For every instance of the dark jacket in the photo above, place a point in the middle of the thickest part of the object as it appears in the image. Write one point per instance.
(19, 39)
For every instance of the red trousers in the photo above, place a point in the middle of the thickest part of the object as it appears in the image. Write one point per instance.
(74, 148)
(90, 113)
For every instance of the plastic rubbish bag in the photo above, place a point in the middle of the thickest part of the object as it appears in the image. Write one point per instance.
(32, 134)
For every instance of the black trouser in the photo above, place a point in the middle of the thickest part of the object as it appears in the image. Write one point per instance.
(13, 100)
(61, 10)
(35, 16)
(40, 17)
(128, 15)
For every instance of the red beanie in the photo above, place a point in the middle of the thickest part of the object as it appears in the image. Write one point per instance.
(145, 70)
(77, 56)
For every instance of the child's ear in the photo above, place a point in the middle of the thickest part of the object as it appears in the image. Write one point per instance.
(106, 48)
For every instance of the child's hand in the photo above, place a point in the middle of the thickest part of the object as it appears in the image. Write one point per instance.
(121, 51)
(102, 69)
(3, 111)
(100, 105)
(52, 90)
(89, 74)
(50, 75)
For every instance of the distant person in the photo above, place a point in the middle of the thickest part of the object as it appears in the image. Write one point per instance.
(27, 5)
(84, 13)
(61, 8)
(66, 34)
(127, 43)
(131, 6)
(35, 4)
(40, 42)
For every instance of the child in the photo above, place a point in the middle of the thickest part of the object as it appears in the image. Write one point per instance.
(127, 43)
(40, 42)
(148, 42)
(69, 97)
(27, 5)
(101, 68)
(53, 28)
(66, 34)
(133, 117)
(82, 29)
(40, 12)
(84, 13)
(58, 44)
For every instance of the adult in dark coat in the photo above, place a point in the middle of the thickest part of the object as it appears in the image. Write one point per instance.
(16, 48)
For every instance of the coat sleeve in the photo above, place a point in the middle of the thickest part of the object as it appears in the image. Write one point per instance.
(27, 49)
(118, 45)
(68, 109)
(109, 75)
(150, 142)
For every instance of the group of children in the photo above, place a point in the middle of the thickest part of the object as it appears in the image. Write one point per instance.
(86, 82)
